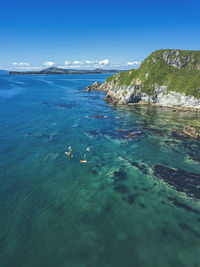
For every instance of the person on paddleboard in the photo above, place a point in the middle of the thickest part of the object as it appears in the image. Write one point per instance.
(69, 153)
(85, 159)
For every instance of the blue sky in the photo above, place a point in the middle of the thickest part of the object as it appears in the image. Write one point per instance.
(90, 34)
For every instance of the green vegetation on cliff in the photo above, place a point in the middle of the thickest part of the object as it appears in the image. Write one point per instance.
(179, 70)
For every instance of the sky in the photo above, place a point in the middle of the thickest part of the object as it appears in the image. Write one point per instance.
(93, 34)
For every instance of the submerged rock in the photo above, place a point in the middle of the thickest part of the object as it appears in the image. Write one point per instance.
(178, 134)
(99, 116)
(182, 181)
(130, 135)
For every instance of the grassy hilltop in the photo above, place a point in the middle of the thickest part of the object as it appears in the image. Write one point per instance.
(179, 70)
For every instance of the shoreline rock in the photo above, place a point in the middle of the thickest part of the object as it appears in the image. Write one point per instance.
(191, 132)
(132, 95)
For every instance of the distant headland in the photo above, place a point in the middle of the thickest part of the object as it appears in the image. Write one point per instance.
(54, 70)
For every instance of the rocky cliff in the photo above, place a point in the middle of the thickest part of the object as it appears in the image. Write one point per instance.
(167, 77)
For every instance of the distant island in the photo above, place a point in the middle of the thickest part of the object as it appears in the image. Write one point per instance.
(54, 70)
(167, 77)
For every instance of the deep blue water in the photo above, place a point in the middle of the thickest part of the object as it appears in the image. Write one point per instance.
(55, 211)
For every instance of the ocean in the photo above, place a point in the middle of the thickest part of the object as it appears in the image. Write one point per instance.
(113, 211)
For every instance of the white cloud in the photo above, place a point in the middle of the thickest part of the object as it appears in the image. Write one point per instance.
(104, 62)
(89, 62)
(133, 63)
(21, 64)
(67, 63)
(76, 62)
(48, 64)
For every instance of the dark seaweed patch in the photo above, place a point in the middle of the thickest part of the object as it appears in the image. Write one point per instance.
(135, 164)
(43, 136)
(163, 202)
(142, 167)
(119, 176)
(121, 188)
(96, 134)
(182, 181)
(65, 106)
(59, 105)
(135, 187)
(142, 206)
(183, 205)
(177, 134)
(145, 189)
(131, 198)
(186, 228)
(118, 135)
(128, 134)
(157, 132)
(94, 172)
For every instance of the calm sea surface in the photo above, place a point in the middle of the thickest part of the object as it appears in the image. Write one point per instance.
(112, 211)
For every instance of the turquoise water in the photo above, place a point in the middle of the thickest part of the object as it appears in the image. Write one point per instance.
(55, 211)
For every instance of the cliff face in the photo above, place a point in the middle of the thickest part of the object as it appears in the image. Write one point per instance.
(167, 78)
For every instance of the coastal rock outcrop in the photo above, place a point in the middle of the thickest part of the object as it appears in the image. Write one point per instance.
(169, 78)
(190, 131)
(173, 58)
(95, 87)
(121, 95)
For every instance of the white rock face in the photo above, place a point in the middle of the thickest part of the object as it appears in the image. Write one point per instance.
(132, 94)
(176, 99)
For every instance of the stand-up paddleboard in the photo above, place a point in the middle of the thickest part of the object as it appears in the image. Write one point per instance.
(83, 161)
(69, 154)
